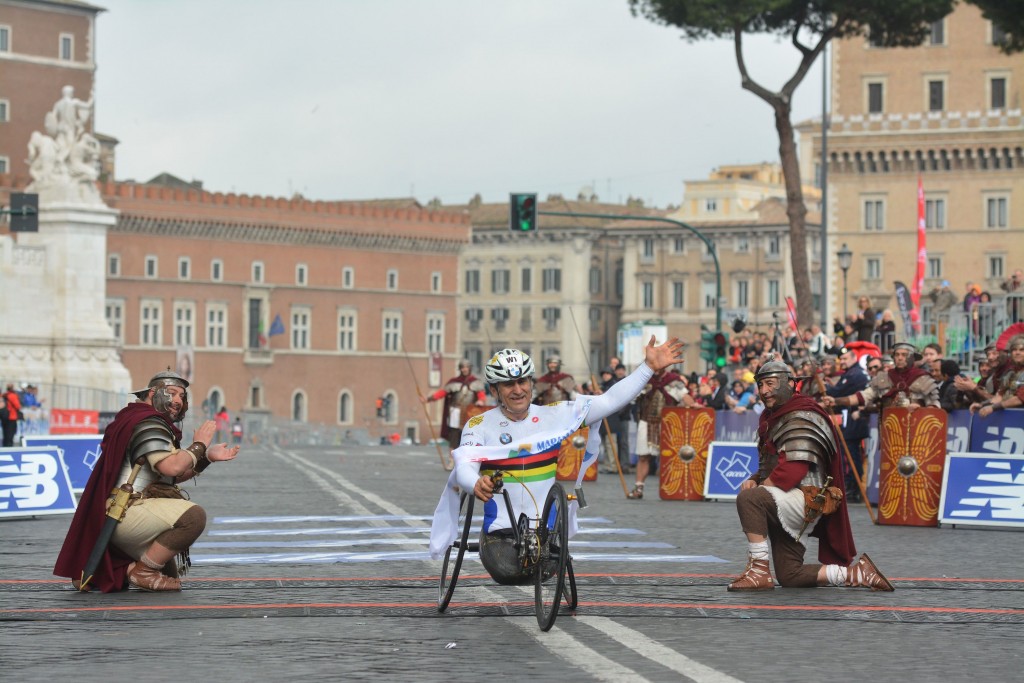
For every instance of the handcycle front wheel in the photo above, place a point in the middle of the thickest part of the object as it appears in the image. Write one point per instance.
(452, 565)
(553, 537)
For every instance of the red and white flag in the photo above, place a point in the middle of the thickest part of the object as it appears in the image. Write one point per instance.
(922, 259)
(791, 313)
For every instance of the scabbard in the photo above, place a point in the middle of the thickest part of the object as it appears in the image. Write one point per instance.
(120, 500)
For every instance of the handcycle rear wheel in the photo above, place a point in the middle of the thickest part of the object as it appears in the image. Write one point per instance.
(452, 565)
(553, 539)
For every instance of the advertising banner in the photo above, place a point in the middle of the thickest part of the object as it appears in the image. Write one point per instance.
(1000, 432)
(872, 463)
(66, 421)
(33, 481)
(78, 451)
(729, 465)
(981, 489)
(730, 426)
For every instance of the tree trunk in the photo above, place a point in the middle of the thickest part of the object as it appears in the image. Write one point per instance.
(797, 212)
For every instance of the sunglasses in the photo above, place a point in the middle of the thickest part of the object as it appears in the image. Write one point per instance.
(874, 367)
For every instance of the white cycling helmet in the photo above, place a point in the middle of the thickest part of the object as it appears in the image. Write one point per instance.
(507, 365)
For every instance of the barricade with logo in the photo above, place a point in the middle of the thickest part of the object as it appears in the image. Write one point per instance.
(683, 439)
(913, 455)
(34, 481)
(872, 459)
(570, 457)
(1000, 432)
(740, 427)
(983, 489)
(79, 453)
(37, 421)
(730, 463)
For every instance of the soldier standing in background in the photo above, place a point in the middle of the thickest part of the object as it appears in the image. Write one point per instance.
(664, 390)
(556, 385)
(459, 393)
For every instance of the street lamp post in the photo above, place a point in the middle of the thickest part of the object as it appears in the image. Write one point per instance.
(845, 257)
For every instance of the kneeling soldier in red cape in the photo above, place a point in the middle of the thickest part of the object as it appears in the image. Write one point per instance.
(798, 449)
(132, 521)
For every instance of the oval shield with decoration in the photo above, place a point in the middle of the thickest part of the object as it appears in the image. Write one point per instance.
(684, 438)
(570, 457)
(912, 458)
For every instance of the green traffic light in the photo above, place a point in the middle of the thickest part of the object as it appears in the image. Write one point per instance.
(720, 362)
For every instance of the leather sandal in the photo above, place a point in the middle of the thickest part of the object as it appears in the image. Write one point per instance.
(149, 579)
(756, 577)
(637, 493)
(864, 573)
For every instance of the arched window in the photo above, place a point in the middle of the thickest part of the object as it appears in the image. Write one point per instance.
(214, 400)
(345, 407)
(299, 406)
(390, 407)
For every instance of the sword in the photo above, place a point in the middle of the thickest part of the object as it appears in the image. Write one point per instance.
(820, 499)
(120, 499)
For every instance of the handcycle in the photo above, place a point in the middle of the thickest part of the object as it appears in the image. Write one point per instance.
(541, 544)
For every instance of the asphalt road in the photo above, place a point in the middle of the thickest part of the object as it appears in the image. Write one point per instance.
(314, 566)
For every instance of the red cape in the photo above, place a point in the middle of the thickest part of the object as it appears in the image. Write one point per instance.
(90, 515)
(835, 539)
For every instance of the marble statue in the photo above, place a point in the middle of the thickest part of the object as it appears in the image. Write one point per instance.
(64, 162)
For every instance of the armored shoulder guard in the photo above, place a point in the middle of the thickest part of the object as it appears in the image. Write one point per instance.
(567, 383)
(928, 390)
(149, 436)
(804, 435)
(477, 385)
(881, 383)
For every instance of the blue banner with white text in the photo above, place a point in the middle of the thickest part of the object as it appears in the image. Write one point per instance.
(80, 453)
(983, 489)
(33, 481)
(730, 463)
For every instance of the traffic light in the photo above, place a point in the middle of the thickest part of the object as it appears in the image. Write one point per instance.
(24, 212)
(707, 344)
(721, 351)
(523, 212)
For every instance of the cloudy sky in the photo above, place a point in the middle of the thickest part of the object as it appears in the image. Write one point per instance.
(358, 99)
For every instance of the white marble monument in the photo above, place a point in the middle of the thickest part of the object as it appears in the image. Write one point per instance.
(53, 328)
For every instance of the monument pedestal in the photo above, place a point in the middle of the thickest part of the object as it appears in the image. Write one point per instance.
(55, 330)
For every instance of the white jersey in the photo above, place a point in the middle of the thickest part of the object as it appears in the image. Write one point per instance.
(527, 451)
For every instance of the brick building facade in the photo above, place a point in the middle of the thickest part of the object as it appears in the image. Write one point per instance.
(947, 112)
(365, 293)
(44, 46)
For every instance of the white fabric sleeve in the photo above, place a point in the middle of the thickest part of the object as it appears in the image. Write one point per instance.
(616, 398)
(467, 473)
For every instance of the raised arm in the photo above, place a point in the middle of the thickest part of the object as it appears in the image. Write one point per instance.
(615, 399)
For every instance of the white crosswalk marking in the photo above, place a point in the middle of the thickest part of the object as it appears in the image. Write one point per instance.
(318, 539)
